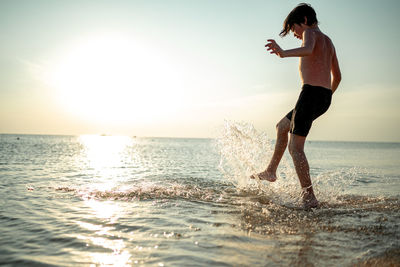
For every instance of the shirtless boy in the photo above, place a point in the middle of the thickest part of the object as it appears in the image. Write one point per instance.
(320, 75)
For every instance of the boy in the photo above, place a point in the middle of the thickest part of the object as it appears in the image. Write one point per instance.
(320, 74)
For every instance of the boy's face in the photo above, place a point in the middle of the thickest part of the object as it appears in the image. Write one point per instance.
(298, 31)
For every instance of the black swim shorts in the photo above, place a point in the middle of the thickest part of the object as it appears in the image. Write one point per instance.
(312, 103)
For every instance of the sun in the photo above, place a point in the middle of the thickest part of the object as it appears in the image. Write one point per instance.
(115, 78)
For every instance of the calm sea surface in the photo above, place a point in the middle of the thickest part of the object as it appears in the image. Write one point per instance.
(122, 201)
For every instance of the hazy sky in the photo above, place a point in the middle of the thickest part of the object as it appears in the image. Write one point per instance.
(181, 67)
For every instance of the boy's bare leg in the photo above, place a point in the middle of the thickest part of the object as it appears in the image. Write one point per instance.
(282, 129)
(296, 149)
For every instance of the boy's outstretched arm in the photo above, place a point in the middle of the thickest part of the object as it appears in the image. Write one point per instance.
(336, 74)
(305, 50)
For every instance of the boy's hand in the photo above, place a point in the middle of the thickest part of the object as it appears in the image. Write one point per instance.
(274, 48)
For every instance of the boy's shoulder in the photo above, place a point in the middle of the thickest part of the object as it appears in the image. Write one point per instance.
(316, 31)
(319, 35)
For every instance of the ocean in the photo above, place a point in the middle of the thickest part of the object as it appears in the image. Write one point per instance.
(122, 201)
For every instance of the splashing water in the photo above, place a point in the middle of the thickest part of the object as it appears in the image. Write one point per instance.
(245, 151)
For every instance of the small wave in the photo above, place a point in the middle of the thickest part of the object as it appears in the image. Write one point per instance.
(149, 192)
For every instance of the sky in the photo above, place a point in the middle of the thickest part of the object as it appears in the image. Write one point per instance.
(181, 68)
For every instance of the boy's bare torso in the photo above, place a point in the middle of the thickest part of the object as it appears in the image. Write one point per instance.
(315, 69)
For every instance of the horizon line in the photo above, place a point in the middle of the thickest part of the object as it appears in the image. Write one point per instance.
(187, 137)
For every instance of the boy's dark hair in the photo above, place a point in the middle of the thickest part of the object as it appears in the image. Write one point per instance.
(296, 16)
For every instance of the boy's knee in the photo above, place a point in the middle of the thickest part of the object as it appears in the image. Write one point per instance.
(291, 149)
(283, 127)
(294, 150)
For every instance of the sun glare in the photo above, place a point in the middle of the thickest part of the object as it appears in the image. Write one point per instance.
(113, 78)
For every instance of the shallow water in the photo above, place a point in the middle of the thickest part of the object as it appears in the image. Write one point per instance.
(121, 201)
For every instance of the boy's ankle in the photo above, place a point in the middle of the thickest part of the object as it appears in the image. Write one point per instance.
(308, 193)
(307, 190)
(270, 170)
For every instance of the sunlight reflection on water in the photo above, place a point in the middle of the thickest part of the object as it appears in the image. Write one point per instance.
(102, 155)
(104, 235)
(104, 152)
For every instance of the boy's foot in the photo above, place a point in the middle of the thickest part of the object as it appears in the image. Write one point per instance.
(265, 175)
(309, 200)
(311, 204)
